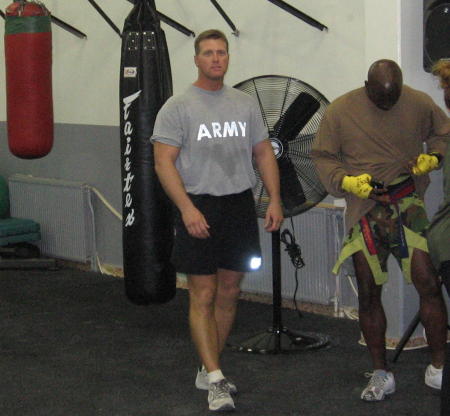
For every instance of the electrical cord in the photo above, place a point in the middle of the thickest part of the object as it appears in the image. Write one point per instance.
(295, 254)
(292, 248)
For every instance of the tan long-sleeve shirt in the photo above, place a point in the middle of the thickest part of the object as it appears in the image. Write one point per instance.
(356, 137)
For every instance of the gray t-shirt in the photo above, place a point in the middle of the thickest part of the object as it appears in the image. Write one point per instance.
(215, 131)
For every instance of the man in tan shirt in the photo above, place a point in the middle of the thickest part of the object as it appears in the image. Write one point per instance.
(369, 150)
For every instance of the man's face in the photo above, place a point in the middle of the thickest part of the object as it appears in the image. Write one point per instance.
(384, 94)
(212, 59)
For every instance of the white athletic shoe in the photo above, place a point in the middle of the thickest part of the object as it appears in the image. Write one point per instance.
(201, 381)
(378, 387)
(219, 397)
(433, 377)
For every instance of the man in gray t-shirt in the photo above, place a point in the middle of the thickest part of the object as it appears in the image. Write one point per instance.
(204, 143)
(215, 131)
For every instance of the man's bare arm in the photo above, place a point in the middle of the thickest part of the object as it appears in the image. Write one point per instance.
(165, 157)
(268, 168)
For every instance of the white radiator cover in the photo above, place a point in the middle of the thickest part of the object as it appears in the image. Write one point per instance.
(63, 210)
(319, 233)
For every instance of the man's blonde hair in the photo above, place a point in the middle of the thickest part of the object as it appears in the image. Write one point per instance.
(209, 34)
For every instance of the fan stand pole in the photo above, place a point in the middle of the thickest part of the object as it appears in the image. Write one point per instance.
(277, 338)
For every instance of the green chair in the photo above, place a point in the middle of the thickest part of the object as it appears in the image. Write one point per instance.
(16, 237)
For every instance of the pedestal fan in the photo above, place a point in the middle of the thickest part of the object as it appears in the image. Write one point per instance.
(292, 111)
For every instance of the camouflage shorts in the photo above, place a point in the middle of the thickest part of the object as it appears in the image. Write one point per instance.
(384, 225)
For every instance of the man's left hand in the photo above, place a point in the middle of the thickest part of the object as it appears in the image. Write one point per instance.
(274, 217)
(423, 164)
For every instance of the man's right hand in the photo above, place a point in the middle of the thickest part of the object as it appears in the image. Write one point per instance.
(195, 222)
(358, 185)
(361, 187)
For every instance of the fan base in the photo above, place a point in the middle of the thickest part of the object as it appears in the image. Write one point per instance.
(284, 340)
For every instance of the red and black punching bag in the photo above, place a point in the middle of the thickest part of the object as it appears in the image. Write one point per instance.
(145, 84)
(28, 58)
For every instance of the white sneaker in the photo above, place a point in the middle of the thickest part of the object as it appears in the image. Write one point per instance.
(219, 397)
(201, 381)
(379, 387)
(433, 377)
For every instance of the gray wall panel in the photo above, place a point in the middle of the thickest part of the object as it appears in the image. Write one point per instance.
(83, 153)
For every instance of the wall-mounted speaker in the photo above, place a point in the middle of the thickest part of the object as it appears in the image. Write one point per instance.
(436, 31)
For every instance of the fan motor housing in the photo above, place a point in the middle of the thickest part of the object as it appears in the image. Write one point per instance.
(277, 147)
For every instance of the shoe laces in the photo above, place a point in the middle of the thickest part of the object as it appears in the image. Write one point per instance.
(377, 380)
(220, 389)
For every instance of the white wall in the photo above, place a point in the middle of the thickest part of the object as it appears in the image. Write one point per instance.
(85, 72)
(412, 57)
(411, 51)
(271, 41)
(382, 25)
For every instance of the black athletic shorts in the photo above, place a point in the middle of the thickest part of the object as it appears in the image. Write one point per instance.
(233, 241)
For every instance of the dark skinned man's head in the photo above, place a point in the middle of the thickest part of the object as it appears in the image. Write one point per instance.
(384, 83)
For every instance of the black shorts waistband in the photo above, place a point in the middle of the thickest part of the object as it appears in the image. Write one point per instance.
(227, 196)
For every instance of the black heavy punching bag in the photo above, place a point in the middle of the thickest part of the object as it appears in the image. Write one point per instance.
(145, 84)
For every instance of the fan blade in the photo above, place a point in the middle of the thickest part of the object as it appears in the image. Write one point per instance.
(296, 116)
(291, 189)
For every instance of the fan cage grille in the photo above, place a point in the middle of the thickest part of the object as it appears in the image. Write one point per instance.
(275, 94)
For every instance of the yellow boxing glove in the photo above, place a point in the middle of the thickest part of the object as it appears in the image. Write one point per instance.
(425, 163)
(358, 185)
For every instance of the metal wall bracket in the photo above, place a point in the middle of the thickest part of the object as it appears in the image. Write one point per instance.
(225, 16)
(69, 28)
(175, 25)
(297, 13)
(105, 17)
